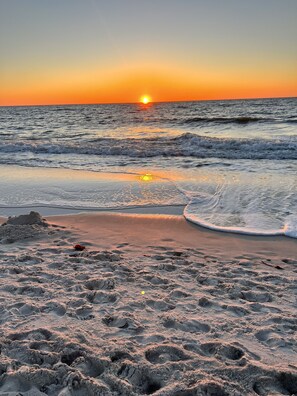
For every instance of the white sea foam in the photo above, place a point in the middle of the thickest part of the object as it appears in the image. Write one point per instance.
(290, 228)
(243, 203)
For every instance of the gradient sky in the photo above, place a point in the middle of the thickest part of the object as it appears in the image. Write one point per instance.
(104, 51)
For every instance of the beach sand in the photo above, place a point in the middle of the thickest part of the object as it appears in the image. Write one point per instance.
(153, 305)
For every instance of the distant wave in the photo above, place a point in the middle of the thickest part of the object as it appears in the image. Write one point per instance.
(225, 120)
(184, 145)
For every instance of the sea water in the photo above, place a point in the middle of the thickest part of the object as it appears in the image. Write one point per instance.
(232, 164)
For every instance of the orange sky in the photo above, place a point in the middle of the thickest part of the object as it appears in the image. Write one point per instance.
(79, 56)
(120, 86)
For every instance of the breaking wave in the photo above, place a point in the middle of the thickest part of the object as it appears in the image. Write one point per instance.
(184, 145)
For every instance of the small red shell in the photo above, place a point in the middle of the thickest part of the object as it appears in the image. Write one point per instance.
(79, 247)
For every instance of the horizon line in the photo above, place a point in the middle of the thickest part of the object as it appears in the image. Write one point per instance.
(151, 102)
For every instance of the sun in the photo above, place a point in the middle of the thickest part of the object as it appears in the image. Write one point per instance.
(145, 99)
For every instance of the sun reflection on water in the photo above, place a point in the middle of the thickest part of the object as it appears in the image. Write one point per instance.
(147, 177)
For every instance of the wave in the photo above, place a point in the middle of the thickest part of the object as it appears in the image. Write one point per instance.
(289, 229)
(186, 145)
(225, 120)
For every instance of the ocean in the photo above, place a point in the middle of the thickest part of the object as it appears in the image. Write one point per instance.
(231, 164)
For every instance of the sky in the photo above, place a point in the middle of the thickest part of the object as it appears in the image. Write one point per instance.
(116, 51)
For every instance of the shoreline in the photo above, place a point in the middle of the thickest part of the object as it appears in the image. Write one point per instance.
(149, 215)
(47, 210)
(158, 210)
(69, 191)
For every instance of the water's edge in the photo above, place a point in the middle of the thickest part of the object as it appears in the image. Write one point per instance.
(175, 210)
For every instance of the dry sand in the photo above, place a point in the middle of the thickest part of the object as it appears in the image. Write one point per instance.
(153, 305)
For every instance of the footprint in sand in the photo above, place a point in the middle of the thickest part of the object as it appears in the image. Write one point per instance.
(84, 313)
(29, 259)
(117, 355)
(105, 256)
(15, 270)
(142, 378)
(70, 355)
(282, 383)
(46, 346)
(122, 322)
(178, 293)
(34, 335)
(273, 339)
(100, 284)
(191, 326)
(255, 296)
(29, 309)
(103, 297)
(222, 350)
(33, 291)
(54, 308)
(238, 310)
(57, 265)
(160, 305)
(167, 267)
(165, 353)
(205, 302)
(91, 367)
(156, 280)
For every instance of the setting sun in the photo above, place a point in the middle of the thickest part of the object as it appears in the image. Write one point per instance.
(145, 99)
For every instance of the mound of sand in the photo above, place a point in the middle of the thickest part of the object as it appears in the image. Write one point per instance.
(23, 227)
(33, 218)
